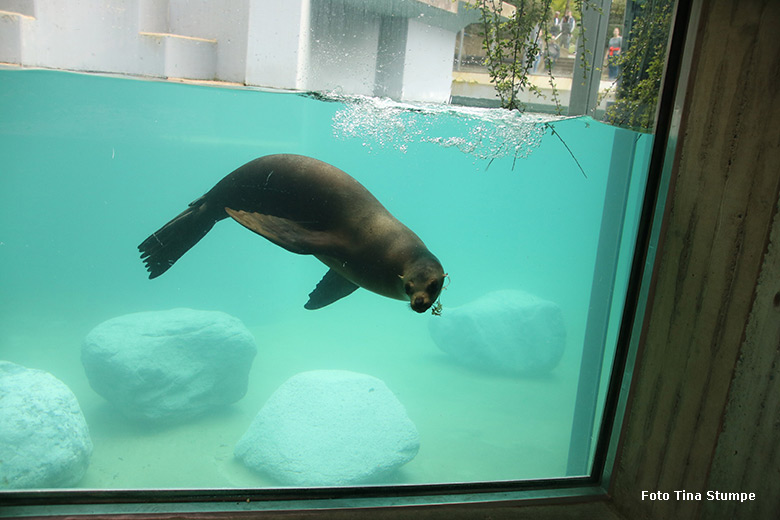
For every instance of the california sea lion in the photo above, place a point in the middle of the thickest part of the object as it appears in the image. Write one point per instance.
(311, 208)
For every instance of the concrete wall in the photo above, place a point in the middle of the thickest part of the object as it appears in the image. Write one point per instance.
(93, 35)
(344, 43)
(25, 7)
(398, 48)
(225, 22)
(357, 51)
(122, 36)
(705, 399)
(12, 29)
(278, 43)
(428, 63)
(153, 16)
(390, 60)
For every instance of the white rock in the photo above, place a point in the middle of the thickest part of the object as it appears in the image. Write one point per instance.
(329, 428)
(44, 439)
(507, 331)
(169, 365)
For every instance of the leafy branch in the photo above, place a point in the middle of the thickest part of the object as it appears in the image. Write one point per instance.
(641, 67)
(512, 43)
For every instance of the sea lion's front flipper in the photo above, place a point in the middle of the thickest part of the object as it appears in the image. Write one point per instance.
(332, 287)
(285, 233)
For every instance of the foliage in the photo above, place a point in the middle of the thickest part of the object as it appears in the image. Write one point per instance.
(514, 42)
(512, 45)
(617, 14)
(641, 66)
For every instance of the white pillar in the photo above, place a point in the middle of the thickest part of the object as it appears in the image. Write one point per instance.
(427, 74)
(278, 43)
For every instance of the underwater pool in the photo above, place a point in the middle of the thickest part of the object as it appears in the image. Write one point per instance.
(92, 165)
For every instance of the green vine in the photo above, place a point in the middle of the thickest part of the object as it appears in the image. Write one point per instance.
(513, 43)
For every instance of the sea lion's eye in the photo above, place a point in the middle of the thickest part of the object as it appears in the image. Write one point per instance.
(408, 288)
(433, 287)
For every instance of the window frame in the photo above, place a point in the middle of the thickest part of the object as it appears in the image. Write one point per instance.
(588, 487)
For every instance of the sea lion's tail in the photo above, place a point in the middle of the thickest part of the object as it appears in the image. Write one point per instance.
(170, 242)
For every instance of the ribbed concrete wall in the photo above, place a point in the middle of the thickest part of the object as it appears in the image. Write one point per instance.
(705, 404)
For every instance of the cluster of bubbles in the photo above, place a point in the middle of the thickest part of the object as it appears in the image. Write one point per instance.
(483, 133)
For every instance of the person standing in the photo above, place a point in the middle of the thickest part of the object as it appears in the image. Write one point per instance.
(613, 53)
(567, 28)
(555, 26)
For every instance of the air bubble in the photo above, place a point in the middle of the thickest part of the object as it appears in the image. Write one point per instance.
(482, 133)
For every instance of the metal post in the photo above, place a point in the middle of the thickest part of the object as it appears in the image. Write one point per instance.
(586, 77)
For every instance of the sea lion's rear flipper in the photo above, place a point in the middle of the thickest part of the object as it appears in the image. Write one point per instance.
(175, 238)
(332, 287)
(285, 233)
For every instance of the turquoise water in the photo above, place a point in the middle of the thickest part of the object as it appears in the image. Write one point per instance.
(92, 165)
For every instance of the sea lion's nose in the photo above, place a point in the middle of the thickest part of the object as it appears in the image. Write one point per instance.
(420, 303)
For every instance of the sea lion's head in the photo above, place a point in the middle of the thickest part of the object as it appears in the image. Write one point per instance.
(423, 282)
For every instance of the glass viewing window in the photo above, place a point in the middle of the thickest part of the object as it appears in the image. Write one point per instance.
(211, 386)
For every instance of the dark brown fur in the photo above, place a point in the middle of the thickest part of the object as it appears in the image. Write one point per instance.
(310, 207)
